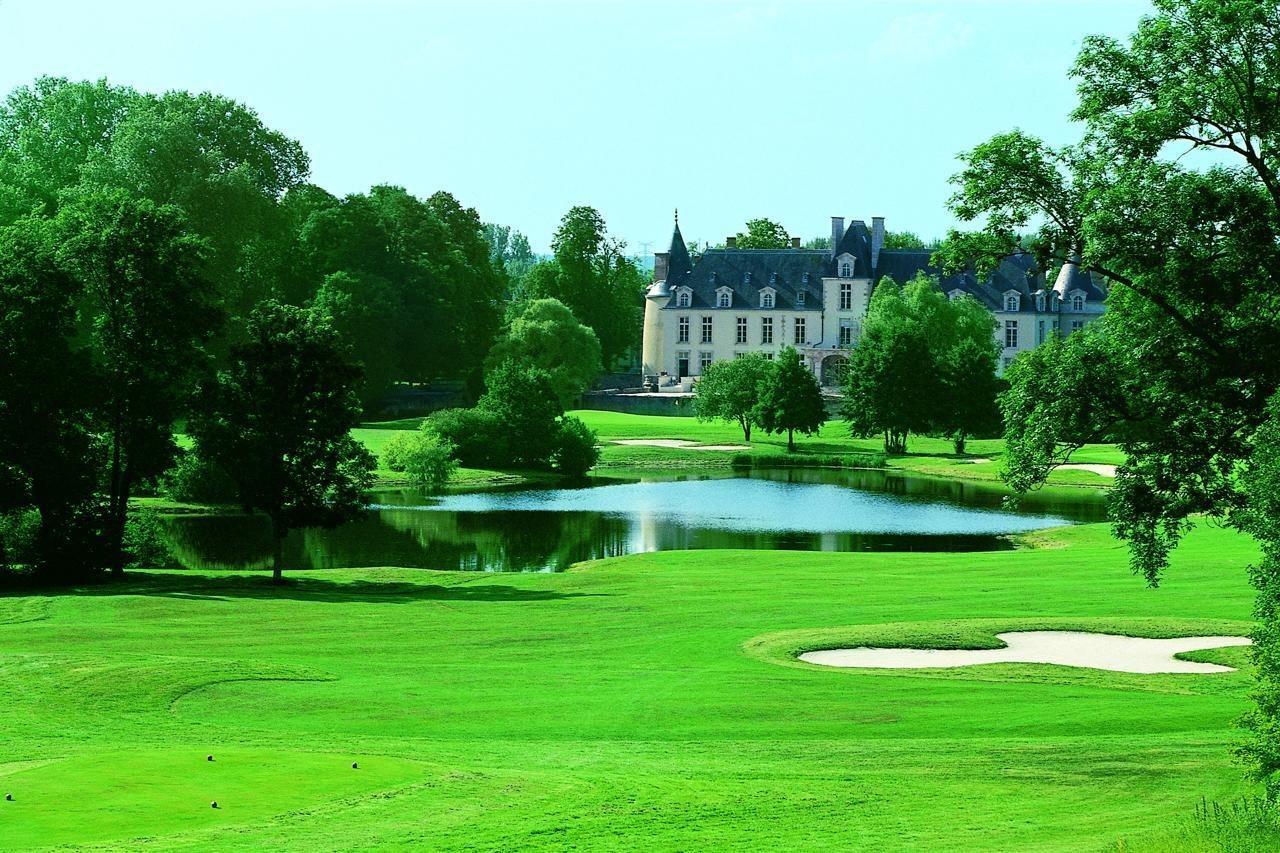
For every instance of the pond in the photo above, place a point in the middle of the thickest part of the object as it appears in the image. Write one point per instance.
(550, 529)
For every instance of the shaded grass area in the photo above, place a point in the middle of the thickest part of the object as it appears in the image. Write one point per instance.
(626, 702)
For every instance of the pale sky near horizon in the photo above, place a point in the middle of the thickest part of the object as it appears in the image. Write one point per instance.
(793, 110)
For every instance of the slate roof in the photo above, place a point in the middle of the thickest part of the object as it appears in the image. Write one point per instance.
(790, 271)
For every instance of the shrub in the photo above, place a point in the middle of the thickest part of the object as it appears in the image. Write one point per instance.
(424, 456)
(144, 542)
(19, 531)
(575, 452)
(476, 436)
(194, 480)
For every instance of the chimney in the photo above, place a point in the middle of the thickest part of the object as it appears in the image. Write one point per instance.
(795, 242)
(731, 242)
(877, 240)
(837, 232)
(660, 260)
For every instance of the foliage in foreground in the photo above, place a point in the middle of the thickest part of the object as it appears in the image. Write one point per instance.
(1182, 370)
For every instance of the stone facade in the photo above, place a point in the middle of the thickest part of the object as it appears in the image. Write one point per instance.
(732, 301)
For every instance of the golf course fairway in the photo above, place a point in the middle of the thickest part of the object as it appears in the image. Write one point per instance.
(654, 697)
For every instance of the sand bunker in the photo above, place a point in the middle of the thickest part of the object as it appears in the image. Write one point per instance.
(1100, 470)
(1065, 648)
(679, 443)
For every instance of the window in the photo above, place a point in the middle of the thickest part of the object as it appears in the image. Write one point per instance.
(1040, 300)
(1040, 332)
(682, 330)
(706, 330)
(800, 297)
(1077, 302)
(1012, 302)
(846, 296)
(1010, 334)
(846, 336)
(704, 361)
(766, 299)
(742, 330)
(799, 331)
(682, 364)
(766, 330)
(769, 356)
(1077, 325)
(682, 299)
(724, 299)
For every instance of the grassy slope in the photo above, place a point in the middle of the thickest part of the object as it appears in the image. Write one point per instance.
(632, 700)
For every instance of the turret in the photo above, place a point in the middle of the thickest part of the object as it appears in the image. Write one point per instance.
(673, 266)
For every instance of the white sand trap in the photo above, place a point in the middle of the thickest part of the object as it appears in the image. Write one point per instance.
(1064, 648)
(1100, 470)
(677, 443)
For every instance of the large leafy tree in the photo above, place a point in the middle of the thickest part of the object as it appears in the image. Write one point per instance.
(763, 233)
(590, 274)
(1181, 368)
(46, 393)
(149, 309)
(545, 334)
(278, 422)
(731, 390)
(791, 399)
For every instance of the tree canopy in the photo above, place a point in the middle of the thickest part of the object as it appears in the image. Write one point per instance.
(731, 390)
(763, 233)
(544, 333)
(790, 398)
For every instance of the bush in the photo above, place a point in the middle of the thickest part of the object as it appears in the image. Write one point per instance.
(476, 436)
(144, 542)
(19, 531)
(424, 456)
(193, 480)
(575, 452)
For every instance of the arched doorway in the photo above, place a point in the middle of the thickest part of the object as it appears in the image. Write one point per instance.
(834, 369)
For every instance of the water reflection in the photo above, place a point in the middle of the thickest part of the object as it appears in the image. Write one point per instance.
(548, 530)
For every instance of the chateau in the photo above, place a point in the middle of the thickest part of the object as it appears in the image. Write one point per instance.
(731, 301)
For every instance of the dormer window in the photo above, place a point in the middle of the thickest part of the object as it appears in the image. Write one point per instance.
(955, 294)
(846, 264)
(684, 297)
(1012, 302)
(724, 297)
(1040, 300)
(767, 297)
(1077, 302)
(800, 296)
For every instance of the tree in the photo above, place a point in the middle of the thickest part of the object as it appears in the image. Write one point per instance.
(364, 310)
(903, 240)
(545, 334)
(763, 234)
(731, 390)
(150, 310)
(966, 369)
(523, 400)
(510, 253)
(278, 421)
(1181, 369)
(891, 386)
(791, 400)
(47, 454)
(593, 277)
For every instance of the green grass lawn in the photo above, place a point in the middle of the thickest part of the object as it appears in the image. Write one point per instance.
(927, 456)
(647, 702)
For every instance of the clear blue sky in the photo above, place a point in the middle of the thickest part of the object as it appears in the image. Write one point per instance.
(797, 110)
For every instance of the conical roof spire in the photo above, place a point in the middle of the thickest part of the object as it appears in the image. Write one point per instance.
(679, 265)
(1068, 278)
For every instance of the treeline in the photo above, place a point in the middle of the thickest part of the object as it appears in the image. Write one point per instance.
(164, 260)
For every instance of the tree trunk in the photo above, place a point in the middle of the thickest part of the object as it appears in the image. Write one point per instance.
(746, 429)
(959, 442)
(791, 441)
(277, 554)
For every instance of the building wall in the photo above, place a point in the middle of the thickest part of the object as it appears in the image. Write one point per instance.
(662, 350)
